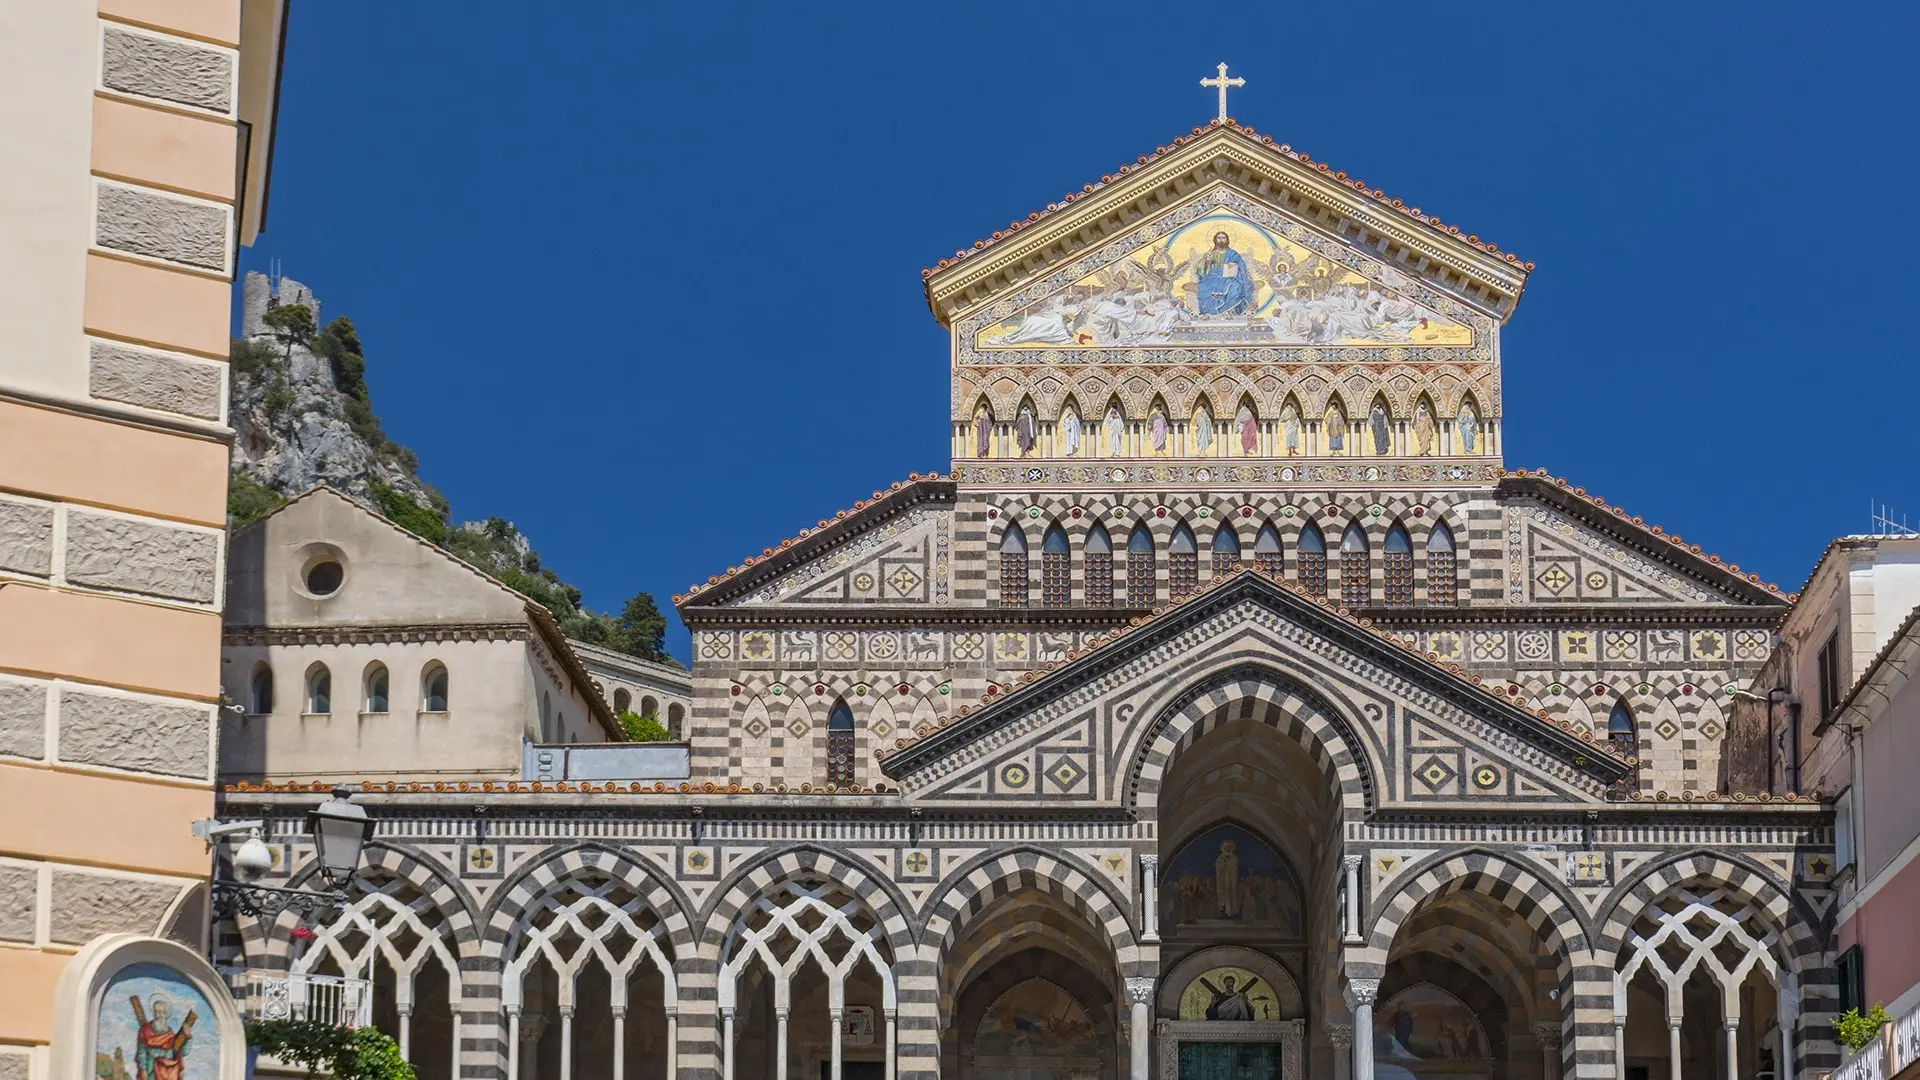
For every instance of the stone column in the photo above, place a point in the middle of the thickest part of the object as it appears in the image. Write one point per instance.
(1620, 1047)
(1340, 1037)
(531, 1028)
(1788, 995)
(620, 1042)
(893, 1044)
(1351, 864)
(1673, 1046)
(1360, 995)
(1140, 1023)
(1733, 1047)
(726, 1044)
(780, 1043)
(1150, 897)
(1547, 1034)
(405, 1009)
(513, 1042)
(836, 1017)
(673, 1042)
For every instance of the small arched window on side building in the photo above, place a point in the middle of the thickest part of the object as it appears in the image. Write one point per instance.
(1397, 588)
(1013, 566)
(1099, 569)
(1443, 567)
(260, 690)
(1183, 563)
(840, 744)
(433, 688)
(676, 719)
(649, 707)
(1056, 584)
(1266, 551)
(1622, 733)
(1312, 553)
(1226, 549)
(1356, 585)
(319, 690)
(622, 701)
(377, 688)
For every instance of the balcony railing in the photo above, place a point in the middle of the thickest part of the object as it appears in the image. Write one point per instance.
(283, 995)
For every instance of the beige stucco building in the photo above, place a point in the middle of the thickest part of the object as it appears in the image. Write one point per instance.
(137, 139)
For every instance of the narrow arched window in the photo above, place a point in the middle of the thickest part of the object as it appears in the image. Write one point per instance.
(546, 716)
(1266, 551)
(1226, 549)
(1013, 566)
(676, 719)
(622, 701)
(1312, 550)
(376, 691)
(840, 744)
(1443, 567)
(319, 690)
(1397, 588)
(1056, 585)
(649, 707)
(1622, 732)
(1183, 563)
(1141, 590)
(260, 690)
(1099, 571)
(433, 688)
(1356, 588)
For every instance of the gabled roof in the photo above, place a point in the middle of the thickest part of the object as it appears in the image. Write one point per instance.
(537, 614)
(1597, 513)
(804, 545)
(1566, 740)
(1090, 216)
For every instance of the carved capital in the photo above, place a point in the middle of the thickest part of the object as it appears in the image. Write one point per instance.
(1149, 862)
(1362, 992)
(1140, 991)
(1350, 863)
(1339, 1036)
(1547, 1033)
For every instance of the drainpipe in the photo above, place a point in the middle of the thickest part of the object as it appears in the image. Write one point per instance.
(1793, 717)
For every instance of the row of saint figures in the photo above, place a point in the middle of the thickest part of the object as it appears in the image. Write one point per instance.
(1336, 433)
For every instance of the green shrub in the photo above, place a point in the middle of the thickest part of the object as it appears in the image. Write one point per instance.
(1856, 1031)
(249, 500)
(407, 514)
(247, 357)
(644, 728)
(348, 1053)
(291, 323)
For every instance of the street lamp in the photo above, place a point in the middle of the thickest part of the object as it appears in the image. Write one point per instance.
(340, 831)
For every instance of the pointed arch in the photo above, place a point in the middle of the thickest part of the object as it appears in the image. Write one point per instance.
(1267, 551)
(1623, 732)
(1159, 428)
(1226, 548)
(1113, 428)
(1335, 427)
(839, 744)
(1026, 428)
(1379, 427)
(434, 687)
(1056, 584)
(1069, 430)
(1397, 566)
(1142, 590)
(1097, 565)
(1246, 426)
(260, 690)
(1469, 431)
(1200, 431)
(1310, 552)
(1356, 568)
(319, 700)
(982, 434)
(1013, 565)
(1183, 562)
(1443, 567)
(1424, 429)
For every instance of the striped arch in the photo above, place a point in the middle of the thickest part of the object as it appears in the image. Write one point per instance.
(518, 897)
(1585, 982)
(1255, 690)
(1799, 932)
(976, 886)
(270, 944)
(766, 874)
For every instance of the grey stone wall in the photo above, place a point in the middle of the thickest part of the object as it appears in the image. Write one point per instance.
(87, 905)
(136, 734)
(161, 226)
(170, 69)
(19, 900)
(14, 1065)
(23, 719)
(155, 380)
(26, 537)
(141, 556)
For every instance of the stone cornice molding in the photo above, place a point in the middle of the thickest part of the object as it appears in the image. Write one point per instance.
(1610, 616)
(915, 616)
(1224, 155)
(405, 634)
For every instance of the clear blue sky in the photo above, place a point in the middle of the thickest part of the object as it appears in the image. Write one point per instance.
(644, 278)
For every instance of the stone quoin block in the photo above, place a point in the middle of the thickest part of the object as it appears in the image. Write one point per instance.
(154, 380)
(169, 69)
(19, 898)
(14, 1065)
(26, 537)
(136, 734)
(141, 556)
(85, 905)
(161, 226)
(23, 719)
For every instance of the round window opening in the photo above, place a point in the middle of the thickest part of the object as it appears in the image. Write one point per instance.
(323, 578)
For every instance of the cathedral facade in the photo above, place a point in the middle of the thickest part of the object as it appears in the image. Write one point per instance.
(1226, 709)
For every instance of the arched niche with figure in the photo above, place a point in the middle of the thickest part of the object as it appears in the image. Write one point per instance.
(1227, 883)
(129, 1005)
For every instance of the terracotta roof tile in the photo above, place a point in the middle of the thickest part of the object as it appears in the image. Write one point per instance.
(1250, 135)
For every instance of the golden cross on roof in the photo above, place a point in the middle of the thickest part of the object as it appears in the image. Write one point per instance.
(1223, 82)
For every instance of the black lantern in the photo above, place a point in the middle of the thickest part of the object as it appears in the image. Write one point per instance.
(340, 830)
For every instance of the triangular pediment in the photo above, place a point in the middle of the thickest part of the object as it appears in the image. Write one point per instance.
(1225, 270)
(1429, 735)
